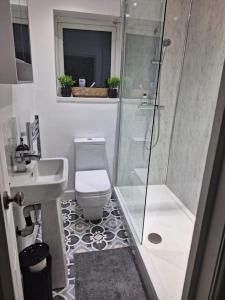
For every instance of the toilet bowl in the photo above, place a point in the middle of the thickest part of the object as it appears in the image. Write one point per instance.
(92, 183)
(93, 192)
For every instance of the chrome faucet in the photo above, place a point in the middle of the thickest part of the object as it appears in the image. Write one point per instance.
(22, 159)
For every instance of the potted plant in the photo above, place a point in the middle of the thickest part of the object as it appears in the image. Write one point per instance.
(66, 83)
(113, 83)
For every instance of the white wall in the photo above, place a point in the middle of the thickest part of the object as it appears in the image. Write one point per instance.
(6, 117)
(5, 96)
(61, 122)
(23, 99)
(16, 108)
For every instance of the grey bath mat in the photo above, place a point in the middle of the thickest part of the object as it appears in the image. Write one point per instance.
(107, 275)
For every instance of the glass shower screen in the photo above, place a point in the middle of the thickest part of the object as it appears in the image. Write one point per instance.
(143, 31)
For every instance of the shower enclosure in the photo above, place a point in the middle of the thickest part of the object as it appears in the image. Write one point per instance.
(159, 205)
(143, 51)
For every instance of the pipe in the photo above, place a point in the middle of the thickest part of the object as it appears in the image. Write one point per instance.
(29, 228)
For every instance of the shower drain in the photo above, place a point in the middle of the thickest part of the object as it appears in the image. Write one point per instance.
(154, 238)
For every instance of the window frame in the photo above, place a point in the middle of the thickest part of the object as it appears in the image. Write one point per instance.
(87, 24)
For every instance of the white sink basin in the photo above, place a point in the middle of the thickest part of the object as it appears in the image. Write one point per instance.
(45, 180)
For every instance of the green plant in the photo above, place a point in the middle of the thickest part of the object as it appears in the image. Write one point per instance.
(113, 82)
(66, 81)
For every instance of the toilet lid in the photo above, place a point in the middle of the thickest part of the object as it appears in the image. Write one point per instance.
(92, 182)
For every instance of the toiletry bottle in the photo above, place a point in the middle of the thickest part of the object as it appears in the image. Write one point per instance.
(82, 82)
(144, 96)
(145, 99)
(21, 149)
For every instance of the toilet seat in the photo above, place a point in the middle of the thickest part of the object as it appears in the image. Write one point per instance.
(92, 183)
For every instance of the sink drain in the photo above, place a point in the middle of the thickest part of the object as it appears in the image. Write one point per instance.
(154, 238)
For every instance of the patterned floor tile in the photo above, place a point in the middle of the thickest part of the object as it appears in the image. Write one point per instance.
(82, 236)
(101, 234)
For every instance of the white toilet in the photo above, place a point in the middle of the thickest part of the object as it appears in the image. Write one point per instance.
(92, 184)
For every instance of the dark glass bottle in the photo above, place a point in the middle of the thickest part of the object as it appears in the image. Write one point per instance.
(23, 149)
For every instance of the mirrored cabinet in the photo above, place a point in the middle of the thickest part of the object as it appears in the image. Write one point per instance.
(15, 50)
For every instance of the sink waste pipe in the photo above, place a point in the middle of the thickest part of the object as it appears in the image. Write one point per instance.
(29, 228)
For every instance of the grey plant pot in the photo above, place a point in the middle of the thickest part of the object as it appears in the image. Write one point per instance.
(113, 92)
(66, 91)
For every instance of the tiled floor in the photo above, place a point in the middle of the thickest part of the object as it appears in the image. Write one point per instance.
(83, 236)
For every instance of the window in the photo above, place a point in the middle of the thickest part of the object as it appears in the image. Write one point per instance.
(87, 54)
(87, 49)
